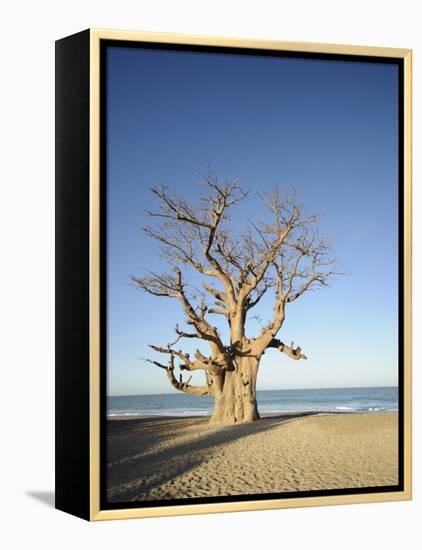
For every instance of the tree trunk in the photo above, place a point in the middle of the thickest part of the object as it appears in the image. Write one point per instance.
(235, 400)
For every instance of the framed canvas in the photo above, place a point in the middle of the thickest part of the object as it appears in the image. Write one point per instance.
(233, 274)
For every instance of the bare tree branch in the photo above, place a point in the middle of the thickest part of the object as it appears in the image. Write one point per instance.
(291, 351)
(199, 224)
(180, 384)
(282, 255)
(173, 287)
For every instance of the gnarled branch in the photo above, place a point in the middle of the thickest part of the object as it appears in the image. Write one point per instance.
(185, 387)
(291, 351)
(180, 384)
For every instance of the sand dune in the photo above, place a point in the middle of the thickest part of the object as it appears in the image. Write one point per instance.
(156, 458)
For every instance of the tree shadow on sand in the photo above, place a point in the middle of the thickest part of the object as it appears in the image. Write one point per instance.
(143, 456)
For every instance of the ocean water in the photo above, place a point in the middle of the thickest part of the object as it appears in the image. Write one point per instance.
(344, 400)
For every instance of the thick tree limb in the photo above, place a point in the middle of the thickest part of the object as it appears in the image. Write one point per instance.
(180, 384)
(291, 351)
(217, 294)
(187, 364)
(185, 387)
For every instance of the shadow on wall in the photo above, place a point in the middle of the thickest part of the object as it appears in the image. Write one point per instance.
(45, 497)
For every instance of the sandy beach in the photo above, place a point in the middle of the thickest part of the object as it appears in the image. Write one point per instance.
(158, 458)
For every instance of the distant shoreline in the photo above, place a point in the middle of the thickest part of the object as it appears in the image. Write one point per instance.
(158, 458)
(271, 402)
(395, 386)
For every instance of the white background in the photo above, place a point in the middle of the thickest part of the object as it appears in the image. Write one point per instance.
(27, 269)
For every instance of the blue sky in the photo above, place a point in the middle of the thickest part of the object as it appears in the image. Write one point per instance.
(326, 128)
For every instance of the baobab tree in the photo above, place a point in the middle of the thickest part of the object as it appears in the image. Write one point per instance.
(283, 255)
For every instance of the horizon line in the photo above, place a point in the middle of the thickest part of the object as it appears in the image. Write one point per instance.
(274, 389)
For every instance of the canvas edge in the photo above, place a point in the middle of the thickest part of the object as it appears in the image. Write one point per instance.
(71, 275)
